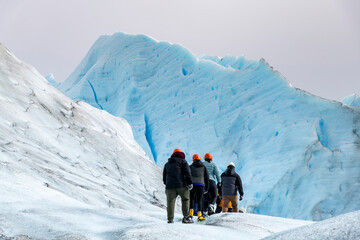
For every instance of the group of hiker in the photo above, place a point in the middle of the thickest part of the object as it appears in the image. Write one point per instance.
(196, 185)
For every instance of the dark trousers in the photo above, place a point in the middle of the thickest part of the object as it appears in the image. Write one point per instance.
(196, 196)
(210, 197)
(171, 195)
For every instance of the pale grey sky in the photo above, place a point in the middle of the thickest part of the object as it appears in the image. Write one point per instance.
(315, 44)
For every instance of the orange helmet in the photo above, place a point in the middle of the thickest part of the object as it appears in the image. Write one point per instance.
(208, 156)
(196, 157)
(177, 150)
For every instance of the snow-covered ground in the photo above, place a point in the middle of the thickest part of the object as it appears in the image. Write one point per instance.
(346, 226)
(70, 171)
(292, 149)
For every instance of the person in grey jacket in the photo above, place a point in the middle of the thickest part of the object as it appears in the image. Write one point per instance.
(230, 185)
(214, 179)
(200, 179)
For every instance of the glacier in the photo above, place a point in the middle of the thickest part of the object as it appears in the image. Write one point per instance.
(298, 154)
(71, 171)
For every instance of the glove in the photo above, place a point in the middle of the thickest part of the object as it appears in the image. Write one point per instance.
(241, 198)
(190, 187)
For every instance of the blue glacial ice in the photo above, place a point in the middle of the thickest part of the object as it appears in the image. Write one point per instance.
(298, 154)
(352, 100)
(51, 79)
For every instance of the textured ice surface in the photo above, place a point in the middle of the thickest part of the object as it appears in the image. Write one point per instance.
(298, 154)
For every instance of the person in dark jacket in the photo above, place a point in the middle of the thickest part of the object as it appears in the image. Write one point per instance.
(219, 201)
(200, 179)
(178, 181)
(230, 185)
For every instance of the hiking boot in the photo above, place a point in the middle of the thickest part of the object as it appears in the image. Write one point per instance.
(211, 209)
(200, 217)
(170, 221)
(191, 213)
(187, 220)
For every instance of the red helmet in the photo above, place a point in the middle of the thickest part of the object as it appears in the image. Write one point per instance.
(196, 157)
(177, 150)
(208, 156)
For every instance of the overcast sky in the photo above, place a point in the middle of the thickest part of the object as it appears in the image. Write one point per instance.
(315, 44)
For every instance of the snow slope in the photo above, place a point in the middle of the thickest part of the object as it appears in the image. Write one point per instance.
(57, 153)
(293, 150)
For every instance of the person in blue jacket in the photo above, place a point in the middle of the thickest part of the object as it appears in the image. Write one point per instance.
(214, 179)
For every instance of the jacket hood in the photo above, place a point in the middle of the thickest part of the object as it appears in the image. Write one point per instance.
(178, 154)
(230, 170)
(197, 164)
(175, 159)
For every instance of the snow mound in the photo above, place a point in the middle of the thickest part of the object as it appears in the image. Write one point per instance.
(60, 158)
(291, 148)
(344, 227)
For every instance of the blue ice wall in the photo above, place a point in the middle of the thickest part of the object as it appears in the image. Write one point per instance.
(298, 154)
